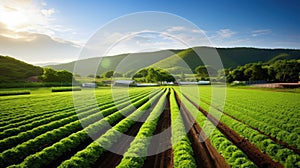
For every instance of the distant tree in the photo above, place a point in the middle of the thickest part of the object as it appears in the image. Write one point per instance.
(91, 76)
(238, 74)
(286, 71)
(64, 76)
(224, 75)
(49, 75)
(153, 75)
(117, 74)
(108, 74)
(255, 71)
(279, 71)
(205, 71)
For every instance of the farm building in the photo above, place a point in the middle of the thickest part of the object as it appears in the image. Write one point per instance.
(124, 83)
(146, 84)
(89, 85)
(195, 83)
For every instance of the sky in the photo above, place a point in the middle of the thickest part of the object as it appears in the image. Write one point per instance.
(55, 31)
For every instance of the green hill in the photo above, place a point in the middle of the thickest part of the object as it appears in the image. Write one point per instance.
(231, 57)
(13, 70)
(176, 60)
(121, 63)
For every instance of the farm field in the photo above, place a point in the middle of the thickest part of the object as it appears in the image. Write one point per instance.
(257, 128)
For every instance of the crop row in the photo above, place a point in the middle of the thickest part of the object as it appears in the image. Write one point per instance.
(27, 148)
(137, 152)
(234, 156)
(88, 156)
(46, 119)
(274, 113)
(277, 152)
(182, 150)
(285, 132)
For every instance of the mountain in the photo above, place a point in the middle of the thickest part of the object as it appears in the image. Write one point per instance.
(13, 70)
(177, 61)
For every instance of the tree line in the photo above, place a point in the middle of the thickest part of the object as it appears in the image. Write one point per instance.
(278, 71)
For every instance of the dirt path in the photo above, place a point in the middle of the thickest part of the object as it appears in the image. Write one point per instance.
(164, 159)
(286, 145)
(254, 154)
(206, 155)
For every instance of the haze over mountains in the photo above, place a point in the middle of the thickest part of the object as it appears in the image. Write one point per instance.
(172, 60)
(13, 70)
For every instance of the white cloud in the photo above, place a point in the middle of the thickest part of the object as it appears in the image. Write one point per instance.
(28, 32)
(35, 47)
(177, 37)
(176, 28)
(48, 12)
(261, 32)
(225, 33)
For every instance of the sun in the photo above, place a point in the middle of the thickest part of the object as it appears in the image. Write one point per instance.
(14, 19)
(24, 15)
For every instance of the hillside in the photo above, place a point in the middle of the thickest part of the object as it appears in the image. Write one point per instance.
(231, 57)
(173, 59)
(122, 63)
(13, 70)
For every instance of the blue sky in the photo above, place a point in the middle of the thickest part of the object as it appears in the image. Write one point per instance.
(65, 26)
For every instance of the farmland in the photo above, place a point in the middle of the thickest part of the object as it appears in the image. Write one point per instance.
(257, 128)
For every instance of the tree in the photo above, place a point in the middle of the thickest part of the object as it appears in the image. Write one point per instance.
(224, 75)
(108, 74)
(64, 76)
(287, 71)
(153, 75)
(205, 71)
(201, 71)
(255, 71)
(49, 75)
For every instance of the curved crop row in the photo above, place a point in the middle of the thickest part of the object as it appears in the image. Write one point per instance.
(39, 116)
(277, 152)
(23, 136)
(182, 151)
(280, 129)
(137, 152)
(271, 121)
(11, 114)
(232, 154)
(88, 156)
(18, 153)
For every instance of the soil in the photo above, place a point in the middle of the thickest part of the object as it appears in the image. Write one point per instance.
(286, 145)
(254, 154)
(110, 159)
(163, 159)
(207, 155)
